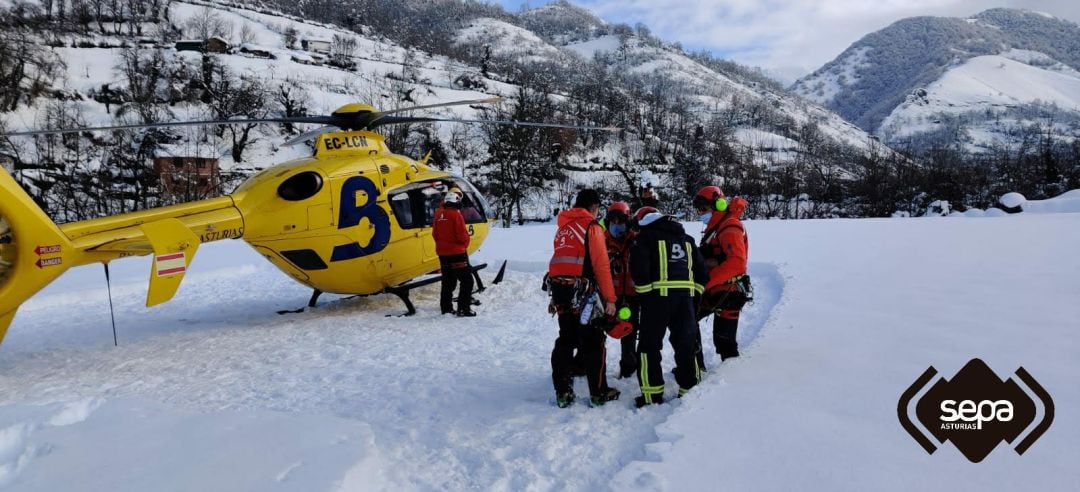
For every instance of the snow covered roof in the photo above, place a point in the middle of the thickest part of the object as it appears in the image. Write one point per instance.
(189, 150)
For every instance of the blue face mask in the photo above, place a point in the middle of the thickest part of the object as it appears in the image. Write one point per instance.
(617, 229)
(706, 217)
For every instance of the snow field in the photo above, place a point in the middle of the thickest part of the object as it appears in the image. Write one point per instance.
(848, 314)
(447, 403)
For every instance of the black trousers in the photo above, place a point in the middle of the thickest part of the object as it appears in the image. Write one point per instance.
(456, 269)
(589, 343)
(658, 316)
(725, 327)
(727, 307)
(628, 359)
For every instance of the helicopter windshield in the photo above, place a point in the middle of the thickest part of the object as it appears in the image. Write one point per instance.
(414, 205)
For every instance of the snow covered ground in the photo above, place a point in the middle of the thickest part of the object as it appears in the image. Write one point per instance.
(214, 391)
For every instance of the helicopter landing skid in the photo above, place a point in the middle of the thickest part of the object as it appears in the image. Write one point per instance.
(311, 303)
(402, 291)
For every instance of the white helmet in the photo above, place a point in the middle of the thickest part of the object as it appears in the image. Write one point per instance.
(452, 197)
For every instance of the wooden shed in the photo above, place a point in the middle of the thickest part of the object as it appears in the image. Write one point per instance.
(188, 171)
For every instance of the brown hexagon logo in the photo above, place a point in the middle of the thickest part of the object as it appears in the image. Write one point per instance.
(976, 410)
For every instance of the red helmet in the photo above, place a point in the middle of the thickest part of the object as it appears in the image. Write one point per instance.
(618, 212)
(619, 207)
(643, 211)
(710, 197)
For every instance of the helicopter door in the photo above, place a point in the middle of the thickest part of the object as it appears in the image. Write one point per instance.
(414, 210)
(320, 216)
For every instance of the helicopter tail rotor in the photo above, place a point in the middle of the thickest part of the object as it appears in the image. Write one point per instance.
(32, 249)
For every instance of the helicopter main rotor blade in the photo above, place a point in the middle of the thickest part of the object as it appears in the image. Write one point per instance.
(400, 120)
(489, 100)
(299, 119)
(308, 135)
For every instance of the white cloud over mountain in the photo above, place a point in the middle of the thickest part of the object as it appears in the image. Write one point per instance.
(788, 37)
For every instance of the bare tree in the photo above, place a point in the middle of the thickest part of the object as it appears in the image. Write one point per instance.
(247, 33)
(521, 158)
(229, 96)
(26, 70)
(291, 100)
(463, 147)
(290, 36)
(207, 23)
(342, 50)
(146, 73)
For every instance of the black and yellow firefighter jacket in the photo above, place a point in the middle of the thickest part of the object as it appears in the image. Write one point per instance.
(664, 261)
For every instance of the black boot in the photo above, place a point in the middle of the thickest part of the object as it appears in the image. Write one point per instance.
(656, 400)
(609, 394)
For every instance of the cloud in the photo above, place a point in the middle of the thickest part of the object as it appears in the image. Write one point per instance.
(791, 36)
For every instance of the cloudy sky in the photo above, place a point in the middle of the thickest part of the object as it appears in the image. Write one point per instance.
(788, 37)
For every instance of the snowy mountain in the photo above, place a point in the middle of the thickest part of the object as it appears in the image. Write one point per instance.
(986, 77)
(687, 116)
(214, 391)
(712, 86)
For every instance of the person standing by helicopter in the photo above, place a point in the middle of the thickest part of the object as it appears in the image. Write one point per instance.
(619, 237)
(452, 246)
(579, 276)
(725, 246)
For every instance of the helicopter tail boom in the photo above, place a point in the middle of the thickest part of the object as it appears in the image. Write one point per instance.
(33, 249)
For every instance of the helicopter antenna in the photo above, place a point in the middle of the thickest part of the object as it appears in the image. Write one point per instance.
(112, 312)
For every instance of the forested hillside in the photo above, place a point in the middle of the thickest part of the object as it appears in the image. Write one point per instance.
(686, 117)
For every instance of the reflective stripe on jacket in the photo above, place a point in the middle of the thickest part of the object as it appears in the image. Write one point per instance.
(579, 237)
(664, 261)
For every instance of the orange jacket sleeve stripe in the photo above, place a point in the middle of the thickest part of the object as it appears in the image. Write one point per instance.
(601, 266)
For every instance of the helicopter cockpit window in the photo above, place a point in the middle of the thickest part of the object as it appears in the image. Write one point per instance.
(301, 186)
(414, 205)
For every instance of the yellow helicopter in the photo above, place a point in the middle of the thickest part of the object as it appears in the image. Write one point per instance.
(352, 219)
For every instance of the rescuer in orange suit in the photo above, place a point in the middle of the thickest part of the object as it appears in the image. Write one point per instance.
(452, 246)
(619, 238)
(579, 281)
(725, 247)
